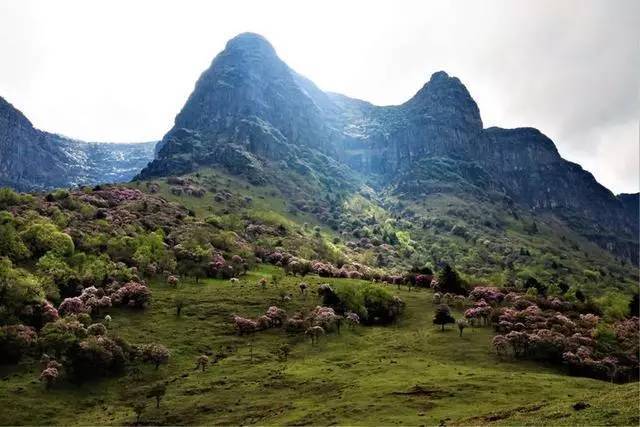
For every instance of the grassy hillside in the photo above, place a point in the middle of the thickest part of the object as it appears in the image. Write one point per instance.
(405, 373)
(485, 237)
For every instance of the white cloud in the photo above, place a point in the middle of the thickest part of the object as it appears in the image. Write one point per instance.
(121, 70)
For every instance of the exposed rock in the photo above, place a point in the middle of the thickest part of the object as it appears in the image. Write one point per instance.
(250, 112)
(31, 159)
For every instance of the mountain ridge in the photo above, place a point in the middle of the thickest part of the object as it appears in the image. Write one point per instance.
(249, 110)
(32, 159)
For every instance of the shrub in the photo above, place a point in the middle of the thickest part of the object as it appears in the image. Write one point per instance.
(42, 237)
(443, 316)
(97, 356)
(132, 294)
(61, 335)
(450, 281)
(73, 305)
(11, 245)
(156, 354)
(372, 303)
(15, 342)
(49, 376)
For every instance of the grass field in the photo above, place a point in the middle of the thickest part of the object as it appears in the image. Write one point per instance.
(409, 373)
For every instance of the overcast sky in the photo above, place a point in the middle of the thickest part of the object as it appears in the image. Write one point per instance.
(121, 70)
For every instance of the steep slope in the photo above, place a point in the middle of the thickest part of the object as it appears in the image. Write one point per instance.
(531, 171)
(31, 159)
(250, 112)
(247, 108)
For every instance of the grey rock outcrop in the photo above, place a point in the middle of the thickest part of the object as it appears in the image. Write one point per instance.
(31, 159)
(249, 110)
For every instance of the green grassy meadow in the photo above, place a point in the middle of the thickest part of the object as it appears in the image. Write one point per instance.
(408, 373)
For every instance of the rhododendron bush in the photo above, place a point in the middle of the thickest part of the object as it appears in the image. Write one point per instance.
(582, 341)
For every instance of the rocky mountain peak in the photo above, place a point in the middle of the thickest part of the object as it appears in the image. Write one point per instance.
(250, 42)
(12, 115)
(446, 99)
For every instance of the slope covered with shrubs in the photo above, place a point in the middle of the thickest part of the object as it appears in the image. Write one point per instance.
(70, 260)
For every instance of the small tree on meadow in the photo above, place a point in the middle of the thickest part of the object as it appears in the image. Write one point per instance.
(156, 354)
(443, 316)
(202, 362)
(157, 391)
(283, 351)
(462, 323)
(179, 303)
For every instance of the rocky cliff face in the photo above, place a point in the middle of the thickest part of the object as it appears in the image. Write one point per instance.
(31, 159)
(249, 111)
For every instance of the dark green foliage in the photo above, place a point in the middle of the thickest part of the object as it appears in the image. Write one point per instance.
(16, 341)
(634, 305)
(18, 291)
(62, 336)
(532, 282)
(443, 316)
(450, 281)
(373, 303)
(11, 245)
(157, 391)
(193, 259)
(96, 356)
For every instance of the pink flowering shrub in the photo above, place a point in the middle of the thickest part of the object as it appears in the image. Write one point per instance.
(115, 196)
(73, 305)
(172, 281)
(352, 318)
(296, 323)
(324, 317)
(489, 294)
(219, 268)
(156, 354)
(244, 325)
(580, 341)
(424, 280)
(480, 312)
(48, 312)
(49, 376)
(277, 315)
(132, 294)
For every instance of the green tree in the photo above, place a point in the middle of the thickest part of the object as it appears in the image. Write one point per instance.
(443, 316)
(193, 258)
(157, 391)
(151, 249)
(450, 281)
(42, 237)
(11, 245)
(18, 289)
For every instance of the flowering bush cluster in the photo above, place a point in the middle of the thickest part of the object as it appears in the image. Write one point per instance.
(487, 293)
(324, 317)
(300, 266)
(116, 195)
(222, 269)
(480, 312)
(132, 294)
(583, 342)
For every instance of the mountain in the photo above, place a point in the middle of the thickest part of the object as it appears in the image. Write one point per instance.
(249, 111)
(31, 159)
